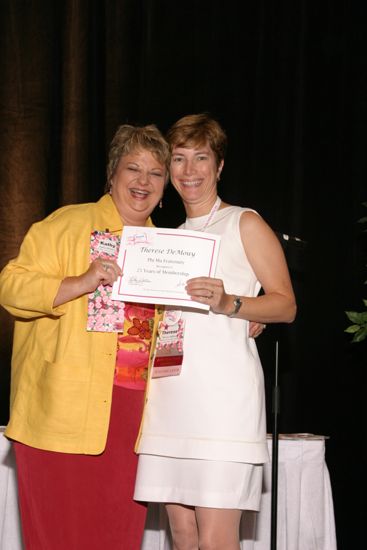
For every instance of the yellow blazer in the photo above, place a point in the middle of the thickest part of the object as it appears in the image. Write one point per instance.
(62, 375)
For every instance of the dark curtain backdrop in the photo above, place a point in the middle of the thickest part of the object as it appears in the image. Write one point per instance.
(287, 79)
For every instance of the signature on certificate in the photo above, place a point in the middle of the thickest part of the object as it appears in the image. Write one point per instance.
(138, 281)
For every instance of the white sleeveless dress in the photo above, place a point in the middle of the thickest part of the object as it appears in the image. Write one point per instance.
(203, 440)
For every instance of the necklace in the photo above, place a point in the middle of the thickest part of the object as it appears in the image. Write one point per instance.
(210, 215)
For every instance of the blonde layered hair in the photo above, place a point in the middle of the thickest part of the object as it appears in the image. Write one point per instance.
(129, 138)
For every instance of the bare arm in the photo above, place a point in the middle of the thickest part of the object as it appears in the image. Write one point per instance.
(103, 272)
(267, 259)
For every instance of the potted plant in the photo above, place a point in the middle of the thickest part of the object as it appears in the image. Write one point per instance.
(358, 318)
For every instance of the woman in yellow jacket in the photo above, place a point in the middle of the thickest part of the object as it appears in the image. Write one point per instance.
(79, 361)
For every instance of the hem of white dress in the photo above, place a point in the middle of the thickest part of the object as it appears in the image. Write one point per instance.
(211, 500)
(201, 449)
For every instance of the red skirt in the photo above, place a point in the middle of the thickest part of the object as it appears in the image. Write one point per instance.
(84, 502)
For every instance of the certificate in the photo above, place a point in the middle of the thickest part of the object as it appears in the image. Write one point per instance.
(156, 263)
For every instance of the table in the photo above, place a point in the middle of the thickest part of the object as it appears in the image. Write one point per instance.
(10, 532)
(305, 505)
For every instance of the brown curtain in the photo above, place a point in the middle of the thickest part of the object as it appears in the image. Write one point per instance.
(44, 121)
(61, 98)
(44, 112)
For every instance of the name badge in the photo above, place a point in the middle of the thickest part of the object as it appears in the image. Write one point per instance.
(104, 314)
(169, 347)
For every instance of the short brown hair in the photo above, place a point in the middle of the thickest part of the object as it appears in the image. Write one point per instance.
(194, 130)
(130, 138)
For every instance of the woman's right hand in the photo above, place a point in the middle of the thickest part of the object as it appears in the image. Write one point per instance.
(100, 271)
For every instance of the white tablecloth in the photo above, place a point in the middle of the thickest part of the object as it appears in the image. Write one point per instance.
(10, 532)
(305, 505)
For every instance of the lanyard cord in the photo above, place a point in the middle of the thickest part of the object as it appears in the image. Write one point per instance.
(210, 215)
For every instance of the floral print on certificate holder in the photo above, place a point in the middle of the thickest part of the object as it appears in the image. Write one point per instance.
(133, 346)
(104, 314)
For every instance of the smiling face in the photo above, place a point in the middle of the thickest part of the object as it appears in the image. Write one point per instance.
(137, 186)
(194, 174)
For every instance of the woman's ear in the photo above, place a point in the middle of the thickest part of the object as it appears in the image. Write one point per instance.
(220, 168)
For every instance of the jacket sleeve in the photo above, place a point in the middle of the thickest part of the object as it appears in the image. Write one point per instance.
(30, 282)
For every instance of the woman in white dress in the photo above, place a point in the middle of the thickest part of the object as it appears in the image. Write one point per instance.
(203, 438)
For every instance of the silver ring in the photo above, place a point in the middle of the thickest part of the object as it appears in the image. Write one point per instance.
(264, 326)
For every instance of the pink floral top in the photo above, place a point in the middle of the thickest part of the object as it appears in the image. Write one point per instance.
(133, 346)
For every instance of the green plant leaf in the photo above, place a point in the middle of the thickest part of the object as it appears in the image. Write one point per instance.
(352, 329)
(360, 335)
(357, 317)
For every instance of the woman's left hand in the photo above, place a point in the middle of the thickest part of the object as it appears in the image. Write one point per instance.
(211, 291)
(207, 290)
(255, 329)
